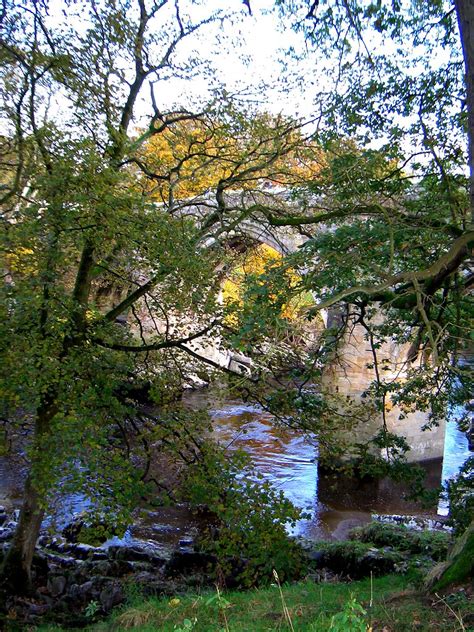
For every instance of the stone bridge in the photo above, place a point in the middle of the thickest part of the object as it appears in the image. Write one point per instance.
(353, 372)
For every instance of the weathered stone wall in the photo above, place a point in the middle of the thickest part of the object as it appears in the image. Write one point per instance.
(351, 374)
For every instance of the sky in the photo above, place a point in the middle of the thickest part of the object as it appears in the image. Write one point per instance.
(250, 58)
(249, 55)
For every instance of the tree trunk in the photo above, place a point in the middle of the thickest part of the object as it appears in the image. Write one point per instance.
(465, 16)
(16, 569)
(458, 568)
(15, 572)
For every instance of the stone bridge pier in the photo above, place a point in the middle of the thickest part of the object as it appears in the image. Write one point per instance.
(351, 374)
(353, 371)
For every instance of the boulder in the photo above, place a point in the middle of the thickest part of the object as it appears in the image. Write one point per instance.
(56, 585)
(6, 534)
(110, 568)
(152, 584)
(112, 595)
(143, 552)
(184, 562)
(355, 560)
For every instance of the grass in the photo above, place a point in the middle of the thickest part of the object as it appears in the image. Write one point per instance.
(390, 604)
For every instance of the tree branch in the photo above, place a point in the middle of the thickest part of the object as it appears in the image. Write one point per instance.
(166, 344)
(435, 274)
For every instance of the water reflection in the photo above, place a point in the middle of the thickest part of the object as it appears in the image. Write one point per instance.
(288, 461)
(285, 459)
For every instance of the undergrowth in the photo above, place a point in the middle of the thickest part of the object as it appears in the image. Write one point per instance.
(386, 604)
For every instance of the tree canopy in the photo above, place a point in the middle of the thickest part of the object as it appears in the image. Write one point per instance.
(86, 242)
(110, 219)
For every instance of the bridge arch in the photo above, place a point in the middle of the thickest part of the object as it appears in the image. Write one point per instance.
(350, 377)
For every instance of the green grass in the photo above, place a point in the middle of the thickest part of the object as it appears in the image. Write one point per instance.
(395, 608)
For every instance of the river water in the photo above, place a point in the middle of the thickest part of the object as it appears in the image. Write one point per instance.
(289, 462)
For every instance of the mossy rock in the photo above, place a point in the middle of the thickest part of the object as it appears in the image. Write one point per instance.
(355, 559)
(458, 567)
(433, 544)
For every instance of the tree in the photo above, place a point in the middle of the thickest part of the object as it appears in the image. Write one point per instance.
(397, 205)
(390, 97)
(204, 154)
(79, 179)
(87, 245)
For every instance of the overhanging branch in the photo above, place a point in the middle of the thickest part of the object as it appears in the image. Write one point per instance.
(165, 344)
(434, 275)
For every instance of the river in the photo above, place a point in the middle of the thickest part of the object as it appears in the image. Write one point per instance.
(289, 462)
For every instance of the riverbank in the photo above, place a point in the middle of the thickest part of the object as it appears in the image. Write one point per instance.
(79, 577)
(389, 604)
(76, 583)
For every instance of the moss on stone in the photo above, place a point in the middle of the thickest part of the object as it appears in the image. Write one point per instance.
(460, 563)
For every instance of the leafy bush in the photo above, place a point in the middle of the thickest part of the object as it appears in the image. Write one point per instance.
(96, 534)
(351, 619)
(460, 491)
(249, 538)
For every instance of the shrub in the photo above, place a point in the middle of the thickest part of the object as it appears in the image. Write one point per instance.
(351, 619)
(460, 491)
(250, 537)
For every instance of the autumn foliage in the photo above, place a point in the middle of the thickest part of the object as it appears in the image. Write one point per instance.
(196, 155)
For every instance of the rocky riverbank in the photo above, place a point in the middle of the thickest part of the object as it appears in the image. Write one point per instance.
(73, 579)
